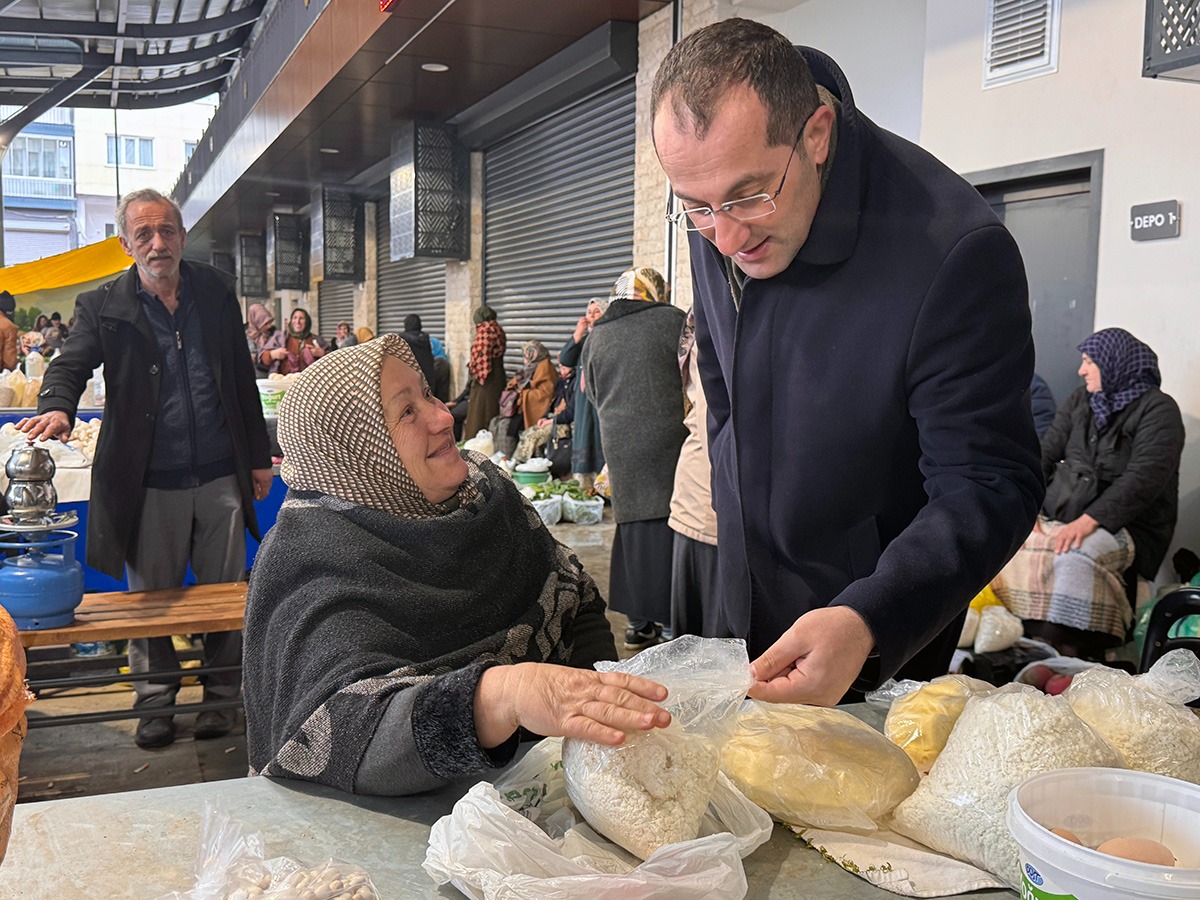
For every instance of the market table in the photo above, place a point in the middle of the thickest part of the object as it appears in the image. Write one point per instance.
(143, 844)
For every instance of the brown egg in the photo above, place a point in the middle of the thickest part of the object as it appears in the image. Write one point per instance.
(1138, 850)
(1069, 835)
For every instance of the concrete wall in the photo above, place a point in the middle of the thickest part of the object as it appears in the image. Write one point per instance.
(879, 44)
(1149, 131)
(464, 287)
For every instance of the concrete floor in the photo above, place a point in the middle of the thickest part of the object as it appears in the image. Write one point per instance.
(84, 760)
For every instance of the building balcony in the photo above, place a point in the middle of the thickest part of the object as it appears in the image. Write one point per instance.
(38, 188)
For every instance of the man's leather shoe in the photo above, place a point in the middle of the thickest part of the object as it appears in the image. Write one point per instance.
(215, 723)
(153, 733)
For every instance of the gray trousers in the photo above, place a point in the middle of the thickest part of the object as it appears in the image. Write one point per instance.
(203, 525)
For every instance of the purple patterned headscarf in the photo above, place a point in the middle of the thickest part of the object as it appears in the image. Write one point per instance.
(1128, 368)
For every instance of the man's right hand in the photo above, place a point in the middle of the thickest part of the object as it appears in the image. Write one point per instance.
(54, 424)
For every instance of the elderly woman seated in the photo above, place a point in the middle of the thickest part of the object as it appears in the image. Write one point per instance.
(409, 612)
(1111, 462)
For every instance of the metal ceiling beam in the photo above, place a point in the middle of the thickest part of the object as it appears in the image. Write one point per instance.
(55, 96)
(132, 59)
(136, 100)
(204, 76)
(150, 32)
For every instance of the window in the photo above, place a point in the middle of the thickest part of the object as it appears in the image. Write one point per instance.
(1021, 40)
(36, 156)
(110, 228)
(134, 151)
(189, 147)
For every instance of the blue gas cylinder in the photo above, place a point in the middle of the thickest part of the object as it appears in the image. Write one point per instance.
(42, 584)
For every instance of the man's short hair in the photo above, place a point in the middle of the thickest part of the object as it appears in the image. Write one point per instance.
(145, 195)
(701, 68)
(412, 323)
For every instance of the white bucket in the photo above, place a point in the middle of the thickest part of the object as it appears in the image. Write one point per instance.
(1096, 805)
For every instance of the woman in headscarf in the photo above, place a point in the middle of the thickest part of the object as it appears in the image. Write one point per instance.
(587, 452)
(487, 371)
(409, 612)
(296, 349)
(1111, 462)
(631, 373)
(260, 328)
(536, 382)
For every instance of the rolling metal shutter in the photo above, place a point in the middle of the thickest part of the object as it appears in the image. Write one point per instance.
(335, 303)
(408, 286)
(558, 220)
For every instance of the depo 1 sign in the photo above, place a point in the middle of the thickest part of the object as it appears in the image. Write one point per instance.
(1152, 221)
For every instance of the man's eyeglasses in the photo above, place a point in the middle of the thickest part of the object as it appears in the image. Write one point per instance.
(701, 218)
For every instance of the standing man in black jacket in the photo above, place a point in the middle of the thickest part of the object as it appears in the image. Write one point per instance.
(183, 452)
(864, 340)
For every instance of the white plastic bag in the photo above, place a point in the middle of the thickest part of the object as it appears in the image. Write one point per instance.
(523, 839)
(482, 443)
(998, 630)
(653, 789)
(583, 512)
(550, 509)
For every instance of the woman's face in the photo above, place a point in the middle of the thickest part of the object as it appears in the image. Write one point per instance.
(299, 320)
(594, 312)
(423, 431)
(1090, 373)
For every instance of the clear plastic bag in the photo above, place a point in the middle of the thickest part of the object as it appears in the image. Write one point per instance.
(654, 788)
(483, 442)
(1001, 739)
(232, 866)
(998, 630)
(806, 765)
(522, 838)
(920, 722)
(1144, 716)
(583, 512)
(887, 693)
(550, 509)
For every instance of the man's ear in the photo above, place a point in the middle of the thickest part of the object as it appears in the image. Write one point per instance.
(818, 134)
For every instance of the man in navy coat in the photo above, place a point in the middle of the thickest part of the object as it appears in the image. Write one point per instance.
(864, 340)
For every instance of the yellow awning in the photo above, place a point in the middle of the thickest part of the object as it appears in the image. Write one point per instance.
(90, 263)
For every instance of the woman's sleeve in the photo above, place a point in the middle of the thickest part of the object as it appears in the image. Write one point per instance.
(569, 354)
(1157, 447)
(427, 736)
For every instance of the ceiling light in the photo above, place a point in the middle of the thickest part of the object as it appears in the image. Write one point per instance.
(273, 193)
(330, 150)
(435, 67)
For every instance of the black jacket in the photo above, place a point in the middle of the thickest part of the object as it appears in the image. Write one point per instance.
(869, 420)
(423, 350)
(1136, 464)
(111, 328)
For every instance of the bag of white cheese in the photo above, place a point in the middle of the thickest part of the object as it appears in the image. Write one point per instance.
(653, 789)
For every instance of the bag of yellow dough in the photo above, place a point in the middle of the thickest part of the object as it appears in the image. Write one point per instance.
(14, 697)
(807, 765)
(920, 722)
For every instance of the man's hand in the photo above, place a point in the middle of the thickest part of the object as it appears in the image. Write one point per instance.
(559, 701)
(262, 479)
(54, 424)
(1071, 535)
(816, 660)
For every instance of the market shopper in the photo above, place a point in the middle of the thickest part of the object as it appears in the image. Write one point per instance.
(487, 371)
(863, 327)
(1111, 462)
(408, 611)
(421, 345)
(260, 329)
(631, 374)
(587, 451)
(183, 452)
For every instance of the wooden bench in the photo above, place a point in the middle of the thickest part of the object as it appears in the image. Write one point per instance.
(123, 615)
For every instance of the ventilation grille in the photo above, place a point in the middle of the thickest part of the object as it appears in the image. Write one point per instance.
(1021, 41)
(1178, 25)
(252, 265)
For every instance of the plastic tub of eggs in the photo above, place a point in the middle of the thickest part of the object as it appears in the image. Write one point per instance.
(1129, 814)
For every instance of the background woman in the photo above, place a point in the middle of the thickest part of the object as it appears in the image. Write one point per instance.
(587, 453)
(409, 611)
(631, 373)
(296, 349)
(260, 328)
(1111, 462)
(487, 371)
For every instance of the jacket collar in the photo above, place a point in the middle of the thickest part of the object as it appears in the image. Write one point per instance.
(834, 231)
(618, 309)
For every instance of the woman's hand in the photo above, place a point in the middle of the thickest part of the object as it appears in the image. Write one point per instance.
(317, 350)
(543, 422)
(581, 328)
(1071, 535)
(557, 701)
(279, 354)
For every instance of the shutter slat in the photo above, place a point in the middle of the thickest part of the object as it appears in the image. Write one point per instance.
(559, 218)
(407, 286)
(335, 303)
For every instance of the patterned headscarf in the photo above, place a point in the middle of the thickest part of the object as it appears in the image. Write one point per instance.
(489, 345)
(335, 440)
(259, 324)
(1128, 368)
(641, 284)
